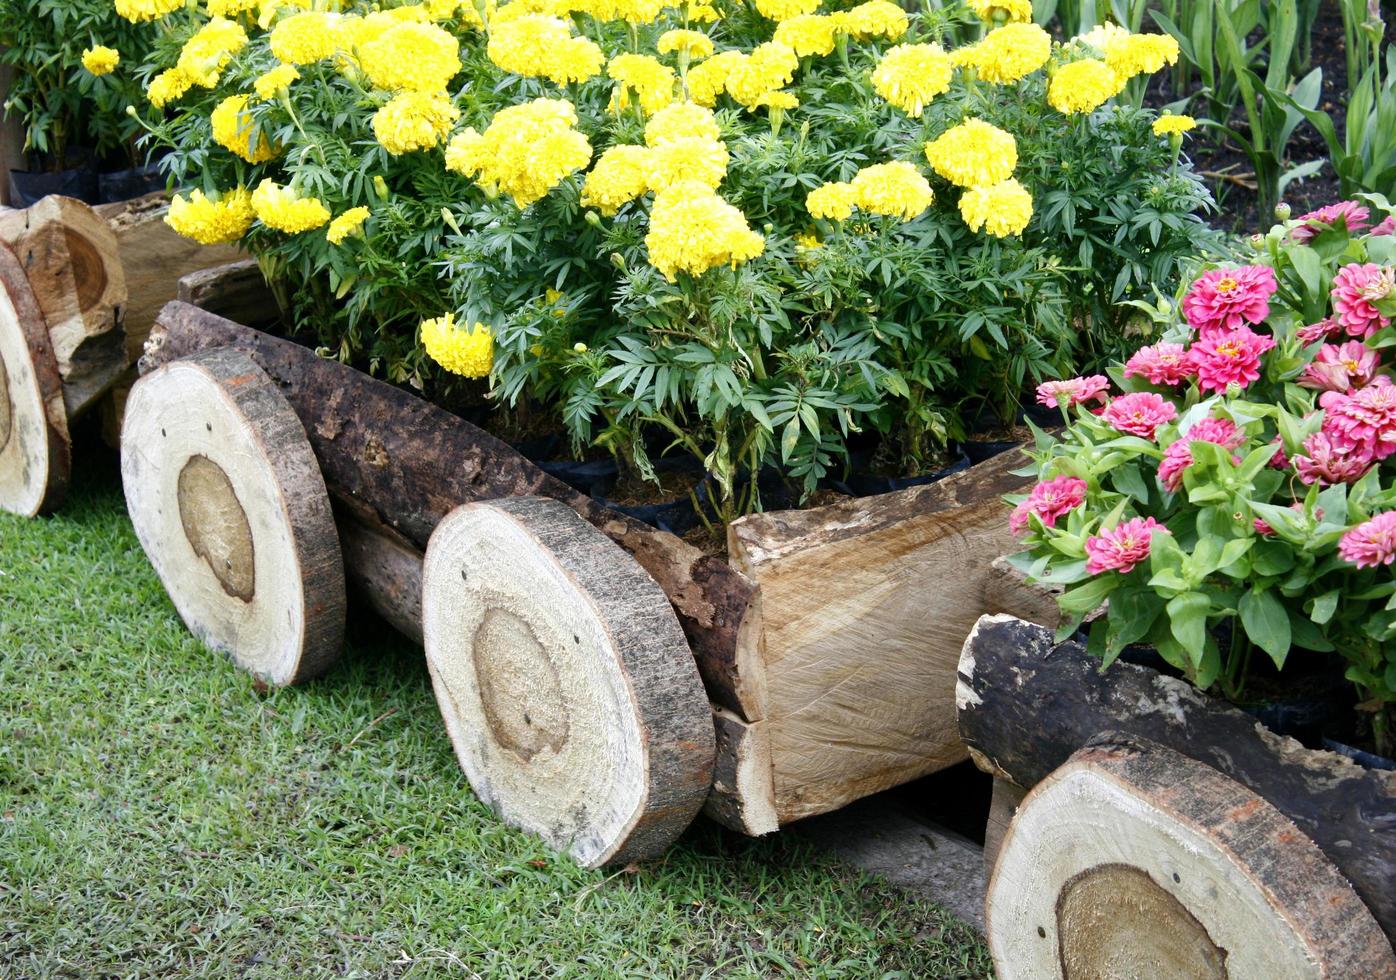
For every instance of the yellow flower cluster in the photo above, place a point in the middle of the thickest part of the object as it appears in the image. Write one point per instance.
(1007, 53)
(1082, 86)
(832, 201)
(650, 82)
(875, 18)
(910, 75)
(167, 86)
(693, 230)
(346, 224)
(211, 222)
(525, 151)
(694, 44)
(209, 49)
(1008, 11)
(708, 80)
(681, 119)
(620, 176)
(101, 60)
(1139, 54)
(1168, 124)
(1001, 210)
(785, 9)
(682, 146)
(632, 11)
(469, 353)
(769, 67)
(231, 8)
(142, 10)
(973, 154)
(235, 131)
(269, 84)
(283, 209)
(411, 57)
(414, 121)
(303, 39)
(687, 158)
(539, 46)
(895, 189)
(807, 34)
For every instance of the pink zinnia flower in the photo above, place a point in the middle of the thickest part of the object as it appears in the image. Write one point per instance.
(1123, 547)
(1263, 529)
(1228, 357)
(1327, 463)
(1336, 368)
(1178, 456)
(1140, 413)
(1386, 227)
(1074, 390)
(1353, 216)
(1161, 364)
(1049, 500)
(1371, 543)
(1279, 461)
(1355, 289)
(1326, 329)
(1225, 299)
(1366, 418)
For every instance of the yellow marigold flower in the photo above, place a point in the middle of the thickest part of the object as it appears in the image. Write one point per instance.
(701, 13)
(973, 154)
(209, 49)
(1101, 37)
(910, 75)
(896, 189)
(306, 38)
(1168, 124)
(101, 60)
(648, 80)
(785, 9)
(807, 241)
(469, 353)
(525, 151)
(639, 11)
(442, 9)
(1008, 53)
(1139, 54)
(167, 86)
(211, 222)
(708, 80)
(269, 85)
(231, 8)
(1082, 86)
(619, 177)
(779, 101)
(693, 230)
(236, 132)
(414, 121)
(680, 120)
(833, 201)
(538, 46)
(875, 18)
(1009, 11)
(1001, 210)
(685, 159)
(807, 34)
(695, 44)
(411, 57)
(346, 224)
(283, 209)
(770, 66)
(141, 10)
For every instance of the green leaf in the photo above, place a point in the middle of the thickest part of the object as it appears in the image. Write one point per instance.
(1324, 607)
(1265, 621)
(1187, 618)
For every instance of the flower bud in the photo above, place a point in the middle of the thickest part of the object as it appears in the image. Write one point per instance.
(1282, 211)
(1257, 242)
(593, 219)
(131, 111)
(618, 261)
(579, 347)
(380, 186)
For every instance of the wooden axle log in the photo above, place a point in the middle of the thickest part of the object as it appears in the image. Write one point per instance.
(1025, 705)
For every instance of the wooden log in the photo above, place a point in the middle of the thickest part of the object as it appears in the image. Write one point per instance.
(35, 450)
(410, 463)
(565, 681)
(743, 794)
(228, 503)
(1003, 804)
(236, 291)
(70, 257)
(1133, 860)
(865, 605)
(1025, 706)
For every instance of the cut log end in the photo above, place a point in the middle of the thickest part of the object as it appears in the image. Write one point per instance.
(229, 505)
(1134, 860)
(564, 680)
(34, 442)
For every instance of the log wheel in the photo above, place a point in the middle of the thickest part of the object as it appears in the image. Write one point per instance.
(35, 450)
(564, 679)
(1133, 860)
(229, 505)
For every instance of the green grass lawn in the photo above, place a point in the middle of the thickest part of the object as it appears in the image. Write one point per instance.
(160, 816)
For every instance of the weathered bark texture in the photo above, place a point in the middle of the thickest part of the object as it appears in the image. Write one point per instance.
(35, 449)
(153, 258)
(410, 463)
(743, 796)
(1003, 804)
(70, 257)
(1025, 707)
(865, 605)
(565, 681)
(1133, 860)
(227, 501)
(236, 291)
